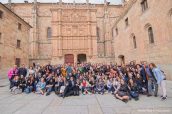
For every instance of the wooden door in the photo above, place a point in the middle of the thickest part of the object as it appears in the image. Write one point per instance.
(69, 58)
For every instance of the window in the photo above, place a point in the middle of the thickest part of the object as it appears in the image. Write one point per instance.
(151, 36)
(144, 5)
(0, 62)
(0, 37)
(126, 22)
(113, 34)
(17, 62)
(18, 43)
(19, 26)
(134, 42)
(116, 31)
(1, 14)
(49, 32)
(98, 33)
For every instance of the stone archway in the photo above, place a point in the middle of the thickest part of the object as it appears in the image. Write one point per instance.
(81, 58)
(121, 60)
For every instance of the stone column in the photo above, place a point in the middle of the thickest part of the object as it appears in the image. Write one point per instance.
(60, 54)
(89, 34)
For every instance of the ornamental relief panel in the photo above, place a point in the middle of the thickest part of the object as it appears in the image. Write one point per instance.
(74, 16)
(74, 30)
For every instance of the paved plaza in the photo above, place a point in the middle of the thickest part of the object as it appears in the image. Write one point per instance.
(83, 104)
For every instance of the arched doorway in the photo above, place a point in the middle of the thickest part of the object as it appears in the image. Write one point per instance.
(121, 59)
(69, 58)
(81, 58)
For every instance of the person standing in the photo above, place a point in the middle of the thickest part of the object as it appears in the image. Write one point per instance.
(160, 78)
(12, 73)
(22, 71)
(152, 87)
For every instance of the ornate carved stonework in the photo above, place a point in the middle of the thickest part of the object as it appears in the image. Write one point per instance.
(73, 31)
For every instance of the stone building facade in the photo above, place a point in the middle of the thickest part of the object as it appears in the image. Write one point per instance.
(14, 37)
(144, 33)
(69, 32)
(137, 30)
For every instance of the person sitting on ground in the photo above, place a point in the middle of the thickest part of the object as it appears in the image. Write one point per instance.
(100, 86)
(134, 92)
(69, 90)
(50, 81)
(123, 92)
(85, 87)
(15, 86)
(29, 85)
(22, 82)
(109, 85)
(116, 85)
(92, 84)
(76, 88)
(40, 87)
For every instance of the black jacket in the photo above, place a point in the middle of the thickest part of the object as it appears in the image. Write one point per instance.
(22, 71)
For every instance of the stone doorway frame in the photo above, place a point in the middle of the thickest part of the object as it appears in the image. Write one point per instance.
(83, 56)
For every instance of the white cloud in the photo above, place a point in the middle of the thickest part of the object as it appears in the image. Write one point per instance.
(70, 1)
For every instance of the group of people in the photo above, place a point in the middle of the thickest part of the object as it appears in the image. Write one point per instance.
(125, 82)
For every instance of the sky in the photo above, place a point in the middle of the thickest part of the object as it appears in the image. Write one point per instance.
(69, 1)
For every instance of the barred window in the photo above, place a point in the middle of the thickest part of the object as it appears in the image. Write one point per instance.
(19, 26)
(134, 42)
(151, 36)
(144, 5)
(1, 14)
(18, 43)
(126, 22)
(98, 33)
(49, 32)
(17, 62)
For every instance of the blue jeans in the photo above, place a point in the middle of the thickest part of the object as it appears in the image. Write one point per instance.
(109, 88)
(49, 89)
(28, 89)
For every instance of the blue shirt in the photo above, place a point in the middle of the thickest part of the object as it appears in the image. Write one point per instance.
(158, 75)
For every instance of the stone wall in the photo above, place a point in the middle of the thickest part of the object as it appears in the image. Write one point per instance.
(41, 48)
(8, 44)
(158, 16)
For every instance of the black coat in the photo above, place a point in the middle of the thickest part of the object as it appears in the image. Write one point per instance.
(22, 71)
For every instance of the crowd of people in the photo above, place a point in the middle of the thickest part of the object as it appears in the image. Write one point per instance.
(124, 82)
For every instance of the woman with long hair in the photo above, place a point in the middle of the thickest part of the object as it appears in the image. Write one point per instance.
(160, 78)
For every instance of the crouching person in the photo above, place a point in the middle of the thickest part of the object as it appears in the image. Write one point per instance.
(85, 87)
(76, 88)
(134, 92)
(69, 89)
(15, 86)
(40, 87)
(29, 85)
(123, 92)
(49, 85)
(100, 86)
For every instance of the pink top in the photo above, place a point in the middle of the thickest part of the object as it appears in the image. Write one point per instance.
(12, 72)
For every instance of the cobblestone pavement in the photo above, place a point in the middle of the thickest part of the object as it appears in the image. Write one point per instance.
(83, 104)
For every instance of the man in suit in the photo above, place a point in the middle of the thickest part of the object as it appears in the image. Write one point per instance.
(69, 90)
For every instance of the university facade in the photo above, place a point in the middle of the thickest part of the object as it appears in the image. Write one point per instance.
(136, 30)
